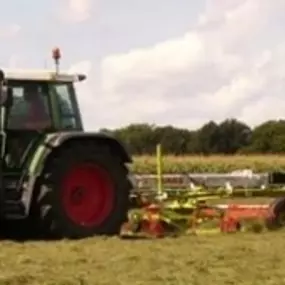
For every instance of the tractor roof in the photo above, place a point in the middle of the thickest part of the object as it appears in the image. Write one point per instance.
(42, 75)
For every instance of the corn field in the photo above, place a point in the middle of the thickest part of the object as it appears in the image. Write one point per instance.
(207, 164)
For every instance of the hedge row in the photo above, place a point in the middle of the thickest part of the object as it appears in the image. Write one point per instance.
(216, 164)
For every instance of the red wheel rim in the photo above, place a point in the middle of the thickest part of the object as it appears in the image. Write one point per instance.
(88, 194)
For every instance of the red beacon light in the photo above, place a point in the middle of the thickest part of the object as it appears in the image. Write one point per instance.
(56, 55)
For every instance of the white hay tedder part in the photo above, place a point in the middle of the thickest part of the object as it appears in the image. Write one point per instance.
(244, 179)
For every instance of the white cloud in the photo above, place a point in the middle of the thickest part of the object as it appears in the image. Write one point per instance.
(83, 66)
(223, 67)
(14, 61)
(9, 31)
(76, 10)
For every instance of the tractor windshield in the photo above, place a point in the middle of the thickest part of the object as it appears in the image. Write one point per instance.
(42, 105)
(30, 109)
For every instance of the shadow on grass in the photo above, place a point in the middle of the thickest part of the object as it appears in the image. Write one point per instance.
(23, 231)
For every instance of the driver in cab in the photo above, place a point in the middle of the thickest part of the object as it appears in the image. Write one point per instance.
(37, 113)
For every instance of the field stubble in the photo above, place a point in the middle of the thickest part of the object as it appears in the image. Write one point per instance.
(229, 259)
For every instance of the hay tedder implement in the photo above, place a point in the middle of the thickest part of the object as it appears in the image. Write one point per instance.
(198, 208)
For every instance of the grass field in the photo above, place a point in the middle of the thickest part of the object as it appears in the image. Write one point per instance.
(244, 258)
(234, 259)
(178, 164)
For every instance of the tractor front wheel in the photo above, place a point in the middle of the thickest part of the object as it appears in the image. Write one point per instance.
(84, 191)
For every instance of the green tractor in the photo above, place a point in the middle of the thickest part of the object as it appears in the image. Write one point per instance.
(62, 180)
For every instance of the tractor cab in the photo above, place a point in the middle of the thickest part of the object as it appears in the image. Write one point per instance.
(40, 101)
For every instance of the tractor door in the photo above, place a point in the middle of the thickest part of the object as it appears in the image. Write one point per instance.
(28, 120)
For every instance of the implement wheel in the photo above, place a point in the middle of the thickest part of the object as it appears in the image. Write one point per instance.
(277, 208)
(84, 191)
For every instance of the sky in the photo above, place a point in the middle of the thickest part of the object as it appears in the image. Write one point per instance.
(163, 62)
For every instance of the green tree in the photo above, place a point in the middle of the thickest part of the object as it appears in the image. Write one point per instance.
(233, 135)
(140, 138)
(208, 138)
(268, 137)
(228, 137)
(174, 140)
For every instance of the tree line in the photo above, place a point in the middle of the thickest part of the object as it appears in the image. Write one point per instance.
(229, 137)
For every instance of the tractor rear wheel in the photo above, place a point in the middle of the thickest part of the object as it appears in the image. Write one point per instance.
(84, 191)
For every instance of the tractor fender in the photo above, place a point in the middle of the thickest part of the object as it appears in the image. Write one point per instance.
(61, 140)
(54, 141)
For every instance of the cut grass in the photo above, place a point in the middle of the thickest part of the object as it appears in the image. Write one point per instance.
(243, 258)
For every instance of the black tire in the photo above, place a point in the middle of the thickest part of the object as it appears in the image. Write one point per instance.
(277, 208)
(49, 202)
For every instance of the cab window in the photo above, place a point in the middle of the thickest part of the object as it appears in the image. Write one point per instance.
(66, 108)
(30, 108)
